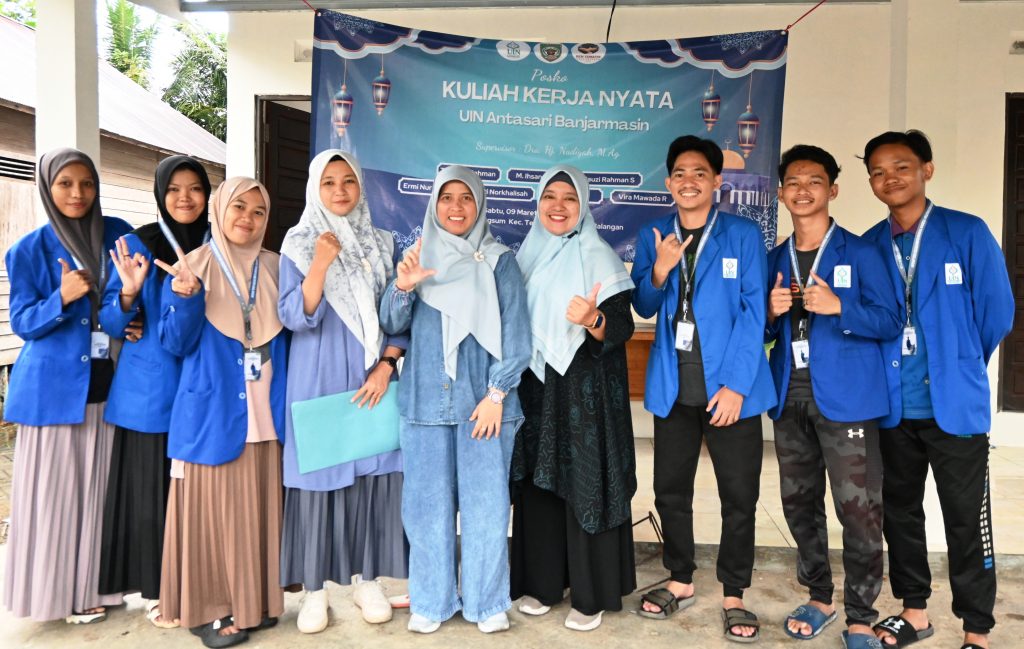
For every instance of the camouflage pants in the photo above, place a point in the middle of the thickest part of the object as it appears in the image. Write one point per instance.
(808, 446)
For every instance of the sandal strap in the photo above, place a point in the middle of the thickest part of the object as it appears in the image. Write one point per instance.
(898, 627)
(660, 597)
(740, 617)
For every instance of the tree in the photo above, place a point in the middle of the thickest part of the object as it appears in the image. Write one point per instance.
(23, 11)
(200, 87)
(130, 45)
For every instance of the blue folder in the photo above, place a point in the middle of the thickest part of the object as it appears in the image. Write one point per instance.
(330, 430)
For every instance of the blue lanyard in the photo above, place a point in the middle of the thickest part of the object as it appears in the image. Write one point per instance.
(908, 273)
(171, 239)
(817, 258)
(686, 274)
(253, 283)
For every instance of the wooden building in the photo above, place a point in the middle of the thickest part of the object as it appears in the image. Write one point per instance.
(137, 130)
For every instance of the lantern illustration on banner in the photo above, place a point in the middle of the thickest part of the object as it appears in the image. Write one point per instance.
(747, 124)
(342, 106)
(711, 104)
(381, 89)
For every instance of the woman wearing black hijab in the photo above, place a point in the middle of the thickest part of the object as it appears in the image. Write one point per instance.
(145, 383)
(57, 396)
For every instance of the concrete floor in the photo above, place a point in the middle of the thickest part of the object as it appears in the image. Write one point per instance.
(773, 594)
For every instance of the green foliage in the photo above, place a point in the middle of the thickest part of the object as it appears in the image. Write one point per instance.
(200, 87)
(130, 45)
(23, 11)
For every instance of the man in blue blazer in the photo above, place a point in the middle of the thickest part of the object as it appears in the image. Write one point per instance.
(956, 305)
(831, 306)
(703, 273)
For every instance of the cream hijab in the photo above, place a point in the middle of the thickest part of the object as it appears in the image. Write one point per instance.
(222, 307)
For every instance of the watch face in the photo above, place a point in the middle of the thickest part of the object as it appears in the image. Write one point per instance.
(495, 397)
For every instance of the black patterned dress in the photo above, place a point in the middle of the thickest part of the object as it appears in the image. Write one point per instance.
(574, 474)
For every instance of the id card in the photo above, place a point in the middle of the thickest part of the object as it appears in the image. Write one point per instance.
(251, 367)
(801, 354)
(684, 336)
(909, 345)
(100, 345)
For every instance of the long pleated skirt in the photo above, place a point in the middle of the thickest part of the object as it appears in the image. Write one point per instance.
(222, 541)
(332, 535)
(134, 513)
(53, 551)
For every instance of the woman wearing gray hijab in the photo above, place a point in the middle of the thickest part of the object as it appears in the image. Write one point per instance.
(460, 295)
(57, 395)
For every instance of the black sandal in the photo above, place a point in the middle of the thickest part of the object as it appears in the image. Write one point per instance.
(211, 637)
(740, 617)
(666, 601)
(901, 629)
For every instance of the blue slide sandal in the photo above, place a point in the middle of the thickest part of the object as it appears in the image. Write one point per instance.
(810, 616)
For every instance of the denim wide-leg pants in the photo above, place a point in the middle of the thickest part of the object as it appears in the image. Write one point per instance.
(447, 472)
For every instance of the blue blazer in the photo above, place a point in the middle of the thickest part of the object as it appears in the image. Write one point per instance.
(847, 368)
(210, 417)
(147, 375)
(730, 315)
(962, 323)
(50, 379)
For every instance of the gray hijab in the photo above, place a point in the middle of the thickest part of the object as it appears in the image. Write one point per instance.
(463, 289)
(82, 237)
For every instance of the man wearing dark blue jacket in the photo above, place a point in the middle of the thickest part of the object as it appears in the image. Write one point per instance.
(956, 305)
(831, 306)
(702, 272)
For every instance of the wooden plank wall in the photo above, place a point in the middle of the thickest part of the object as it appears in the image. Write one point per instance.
(126, 191)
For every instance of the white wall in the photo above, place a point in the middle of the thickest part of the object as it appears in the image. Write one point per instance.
(853, 72)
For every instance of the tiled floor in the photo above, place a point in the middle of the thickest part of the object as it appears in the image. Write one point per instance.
(1006, 468)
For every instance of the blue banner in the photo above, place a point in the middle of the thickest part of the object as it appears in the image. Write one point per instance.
(407, 102)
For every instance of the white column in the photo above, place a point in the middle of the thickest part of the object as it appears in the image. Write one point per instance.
(67, 97)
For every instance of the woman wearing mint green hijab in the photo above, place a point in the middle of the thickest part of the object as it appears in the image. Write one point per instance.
(460, 295)
(573, 470)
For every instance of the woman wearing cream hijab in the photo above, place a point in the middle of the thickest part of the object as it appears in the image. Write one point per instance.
(220, 573)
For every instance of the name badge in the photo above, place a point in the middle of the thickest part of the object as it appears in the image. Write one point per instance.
(730, 267)
(953, 274)
(99, 345)
(251, 366)
(684, 336)
(801, 354)
(842, 276)
(909, 345)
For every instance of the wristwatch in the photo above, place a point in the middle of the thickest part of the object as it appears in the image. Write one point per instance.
(390, 360)
(495, 395)
(598, 321)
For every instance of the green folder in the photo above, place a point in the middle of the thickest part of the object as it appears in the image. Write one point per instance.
(331, 430)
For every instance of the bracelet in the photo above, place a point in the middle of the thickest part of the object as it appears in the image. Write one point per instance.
(390, 360)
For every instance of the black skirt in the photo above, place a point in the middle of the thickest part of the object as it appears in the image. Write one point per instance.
(134, 513)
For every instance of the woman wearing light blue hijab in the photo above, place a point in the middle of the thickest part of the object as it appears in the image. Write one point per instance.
(459, 294)
(574, 469)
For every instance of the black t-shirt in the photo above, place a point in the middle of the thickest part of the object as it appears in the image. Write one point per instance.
(692, 389)
(800, 379)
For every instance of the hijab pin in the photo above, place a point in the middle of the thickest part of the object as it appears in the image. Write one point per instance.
(366, 265)
(479, 256)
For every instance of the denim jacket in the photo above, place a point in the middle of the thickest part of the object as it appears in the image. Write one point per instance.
(426, 395)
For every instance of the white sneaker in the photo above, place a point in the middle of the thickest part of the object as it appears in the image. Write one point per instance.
(370, 598)
(313, 614)
(532, 606)
(579, 622)
(493, 624)
(420, 624)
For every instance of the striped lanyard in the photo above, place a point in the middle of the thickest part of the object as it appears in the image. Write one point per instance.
(253, 283)
(908, 272)
(686, 274)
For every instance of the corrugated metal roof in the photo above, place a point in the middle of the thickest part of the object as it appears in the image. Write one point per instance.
(126, 109)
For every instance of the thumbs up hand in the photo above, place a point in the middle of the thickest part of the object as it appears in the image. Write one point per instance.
(73, 283)
(820, 299)
(780, 300)
(583, 310)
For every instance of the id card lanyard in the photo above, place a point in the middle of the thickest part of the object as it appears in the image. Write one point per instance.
(686, 328)
(814, 270)
(909, 344)
(99, 340)
(247, 308)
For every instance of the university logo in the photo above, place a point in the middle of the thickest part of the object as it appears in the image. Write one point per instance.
(513, 50)
(588, 53)
(550, 52)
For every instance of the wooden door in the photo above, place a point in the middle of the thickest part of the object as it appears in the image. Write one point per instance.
(285, 158)
(1011, 363)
